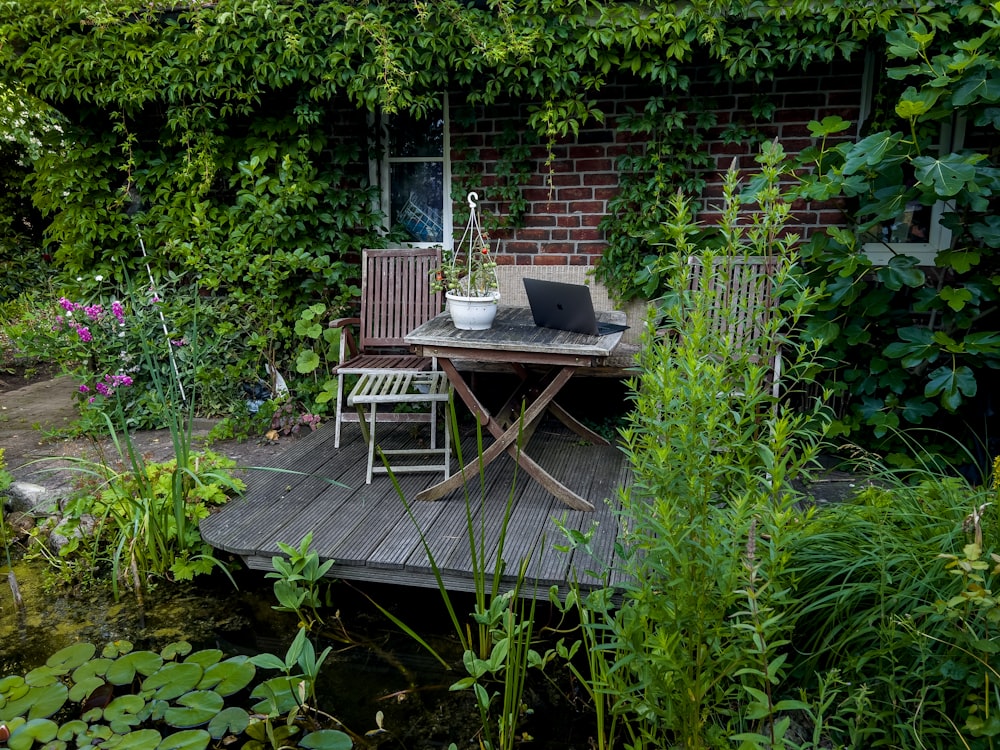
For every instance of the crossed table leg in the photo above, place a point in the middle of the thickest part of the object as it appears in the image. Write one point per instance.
(541, 394)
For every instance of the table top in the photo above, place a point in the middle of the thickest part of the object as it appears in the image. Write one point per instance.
(515, 337)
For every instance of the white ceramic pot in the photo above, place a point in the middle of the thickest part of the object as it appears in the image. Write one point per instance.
(472, 313)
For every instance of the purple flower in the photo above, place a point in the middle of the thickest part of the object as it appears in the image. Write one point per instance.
(84, 333)
(179, 342)
(67, 305)
(102, 389)
(118, 310)
(84, 389)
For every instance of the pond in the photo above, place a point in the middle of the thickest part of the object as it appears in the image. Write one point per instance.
(373, 667)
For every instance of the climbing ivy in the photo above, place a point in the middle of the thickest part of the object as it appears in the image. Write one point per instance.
(911, 345)
(230, 137)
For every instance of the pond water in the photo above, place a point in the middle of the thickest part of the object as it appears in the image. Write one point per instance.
(373, 668)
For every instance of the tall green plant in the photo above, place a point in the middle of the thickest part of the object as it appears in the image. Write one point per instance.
(713, 456)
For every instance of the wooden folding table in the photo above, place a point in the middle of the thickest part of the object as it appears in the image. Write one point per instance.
(515, 341)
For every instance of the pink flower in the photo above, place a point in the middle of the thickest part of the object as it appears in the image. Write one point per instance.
(84, 389)
(93, 311)
(118, 310)
(84, 333)
(102, 389)
(67, 305)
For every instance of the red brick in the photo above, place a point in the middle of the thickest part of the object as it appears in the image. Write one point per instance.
(587, 207)
(550, 260)
(586, 152)
(575, 194)
(580, 235)
(594, 165)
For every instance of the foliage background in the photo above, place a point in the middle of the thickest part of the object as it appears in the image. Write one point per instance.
(234, 138)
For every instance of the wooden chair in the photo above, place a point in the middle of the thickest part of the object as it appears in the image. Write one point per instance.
(744, 304)
(395, 298)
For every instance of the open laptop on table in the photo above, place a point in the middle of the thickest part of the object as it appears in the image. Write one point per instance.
(566, 307)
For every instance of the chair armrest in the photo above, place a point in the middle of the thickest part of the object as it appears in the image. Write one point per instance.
(348, 346)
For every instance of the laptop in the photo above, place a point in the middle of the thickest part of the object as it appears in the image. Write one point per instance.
(566, 307)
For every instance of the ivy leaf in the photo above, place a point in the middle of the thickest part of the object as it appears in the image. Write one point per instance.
(915, 346)
(912, 104)
(870, 150)
(901, 271)
(916, 409)
(948, 174)
(987, 232)
(951, 385)
(956, 298)
(980, 86)
(828, 126)
(902, 44)
(960, 261)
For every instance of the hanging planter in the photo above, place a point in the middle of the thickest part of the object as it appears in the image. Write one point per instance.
(469, 277)
(472, 313)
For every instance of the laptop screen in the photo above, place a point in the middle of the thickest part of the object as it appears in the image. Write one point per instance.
(566, 307)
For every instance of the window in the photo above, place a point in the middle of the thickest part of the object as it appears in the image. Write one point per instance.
(415, 176)
(917, 231)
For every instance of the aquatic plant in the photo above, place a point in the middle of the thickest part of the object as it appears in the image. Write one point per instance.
(5, 481)
(173, 698)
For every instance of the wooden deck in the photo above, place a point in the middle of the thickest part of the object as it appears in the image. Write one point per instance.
(367, 531)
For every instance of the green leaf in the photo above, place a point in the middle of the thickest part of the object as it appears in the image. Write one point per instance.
(33, 730)
(71, 657)
(901, 44)
(901, 271)
(229, 676)
(307, 361)
(948, 175)
(141, 739)
(870, 150)
(326, 739)
(232, 720)
(951, 385)
(189, 739)
(956, 298)
(980, 85)
(173, 680)
(194, 709)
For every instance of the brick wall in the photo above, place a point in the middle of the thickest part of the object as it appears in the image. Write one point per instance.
(568, 199)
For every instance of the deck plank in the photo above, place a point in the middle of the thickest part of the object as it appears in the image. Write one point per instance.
(367, 531)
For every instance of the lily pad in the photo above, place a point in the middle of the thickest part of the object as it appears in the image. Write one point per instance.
(41, 677)
(229, 676)
(205, 658)
(124, 669)
(123, 713)
(93, 668)
(85, 688)
(34, 730)
(326, 739)
(232, 720)
(189, 739)
(175, 649)
(194, 709)
(278, 695)
(72, 729)
(67, 659)
(173, 680)
(116, 648)
(141, 739)
(36, 703)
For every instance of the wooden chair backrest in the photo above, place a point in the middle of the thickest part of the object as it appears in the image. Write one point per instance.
(744, 297)
(396, 295)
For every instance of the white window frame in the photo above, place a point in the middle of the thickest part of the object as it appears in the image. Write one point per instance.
(380, 171)
(939, 237)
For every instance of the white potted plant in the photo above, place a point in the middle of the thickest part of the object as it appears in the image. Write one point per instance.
(468, 277)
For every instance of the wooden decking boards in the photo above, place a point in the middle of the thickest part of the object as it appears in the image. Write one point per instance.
(367, 531)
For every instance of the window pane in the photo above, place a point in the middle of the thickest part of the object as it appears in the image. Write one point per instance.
(416, 200)
(410, 137)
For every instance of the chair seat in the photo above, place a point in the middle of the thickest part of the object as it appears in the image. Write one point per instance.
(381, 387)
(369, 362)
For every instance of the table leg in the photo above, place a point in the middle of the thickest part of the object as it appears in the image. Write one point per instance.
(506, 441)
